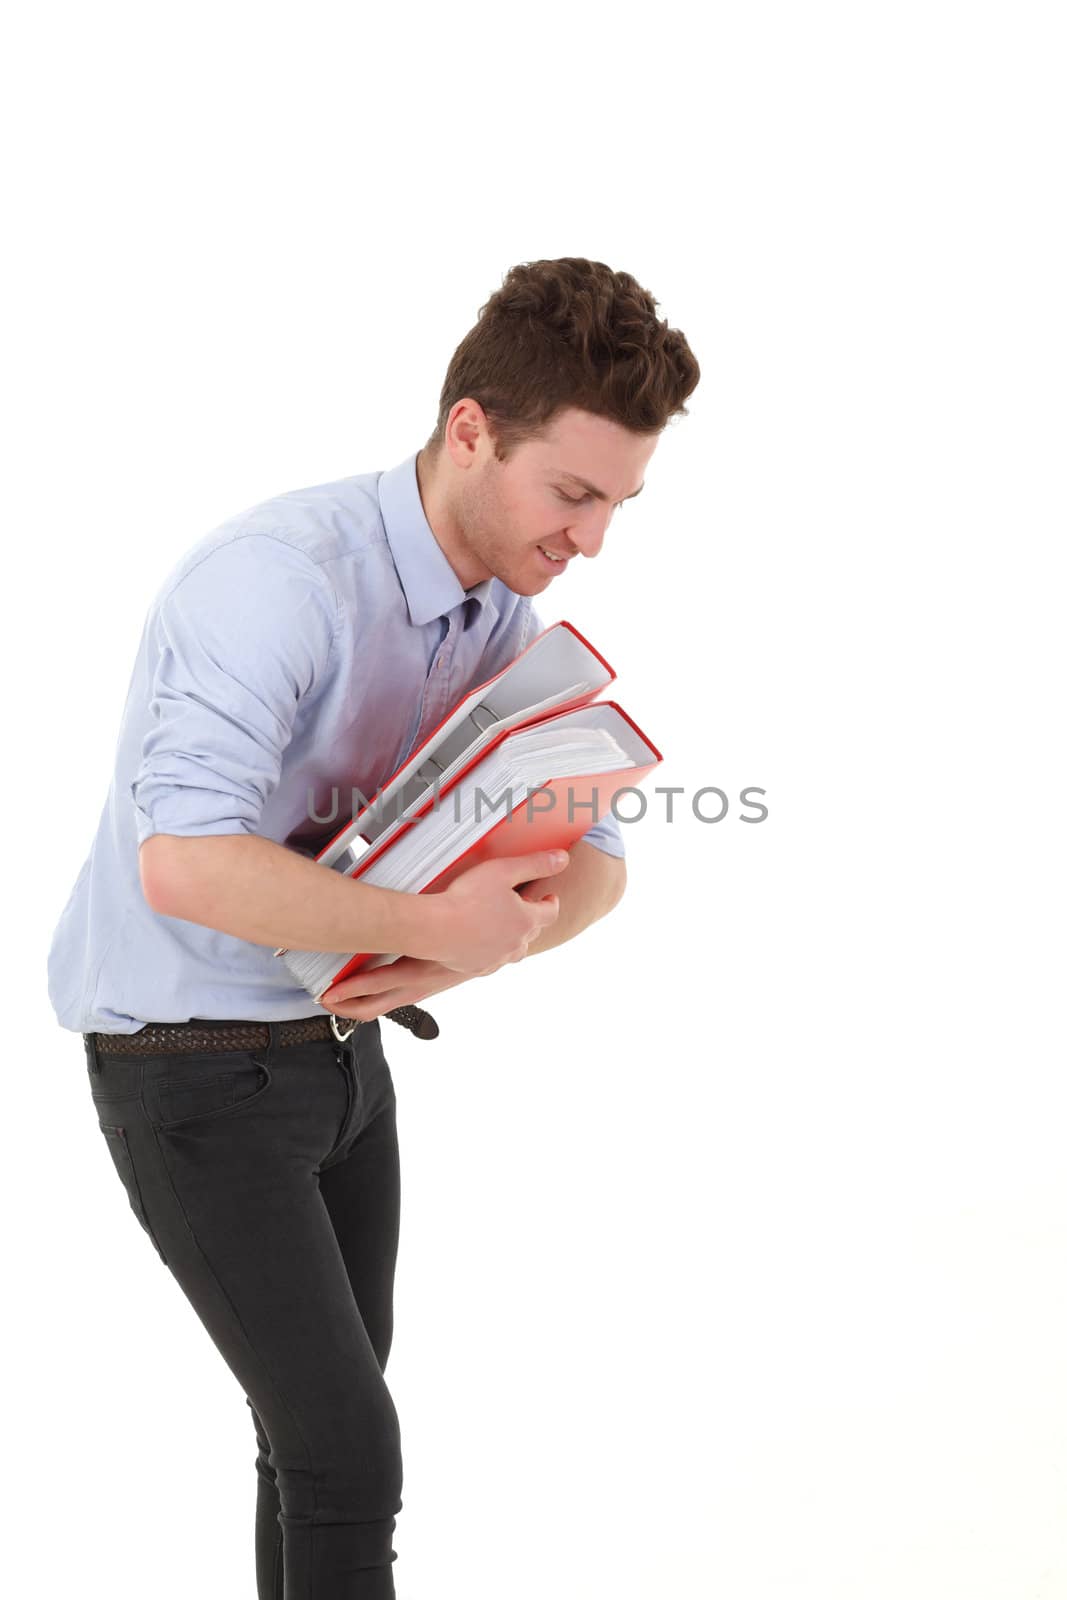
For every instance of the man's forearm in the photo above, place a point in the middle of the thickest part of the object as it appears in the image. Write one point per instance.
(255, 889)
(591, 885)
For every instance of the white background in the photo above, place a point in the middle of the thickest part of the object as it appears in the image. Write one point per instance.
(733, 1243)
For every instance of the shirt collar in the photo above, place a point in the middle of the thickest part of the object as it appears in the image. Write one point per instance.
(430, 586)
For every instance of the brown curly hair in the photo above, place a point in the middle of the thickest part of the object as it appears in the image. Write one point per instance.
(564, 333)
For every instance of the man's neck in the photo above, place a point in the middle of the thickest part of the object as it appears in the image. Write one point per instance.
(437, 516)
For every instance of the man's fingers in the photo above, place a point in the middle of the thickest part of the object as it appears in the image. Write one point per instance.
(540, 864)
(367, 983)
(547, 909)
(371, 1005)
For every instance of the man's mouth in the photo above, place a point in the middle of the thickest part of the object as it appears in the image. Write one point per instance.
(552, 558)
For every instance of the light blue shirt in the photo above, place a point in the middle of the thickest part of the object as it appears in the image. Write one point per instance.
(303, 647)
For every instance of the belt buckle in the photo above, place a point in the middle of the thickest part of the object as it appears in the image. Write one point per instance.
(341, 1037)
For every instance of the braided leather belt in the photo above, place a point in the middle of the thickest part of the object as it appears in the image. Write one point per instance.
(199, 1035)
(160, 1038)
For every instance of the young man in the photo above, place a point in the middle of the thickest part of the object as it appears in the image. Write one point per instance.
(303, 649)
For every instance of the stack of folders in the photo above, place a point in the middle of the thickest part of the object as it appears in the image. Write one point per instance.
(527, 760)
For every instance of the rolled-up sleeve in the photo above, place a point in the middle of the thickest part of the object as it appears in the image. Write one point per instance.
(524, 625)
(606, 835)
(240, 641)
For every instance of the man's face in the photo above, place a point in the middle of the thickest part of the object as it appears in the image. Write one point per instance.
(505, 516)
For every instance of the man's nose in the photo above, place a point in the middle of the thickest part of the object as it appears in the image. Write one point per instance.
(588, 537)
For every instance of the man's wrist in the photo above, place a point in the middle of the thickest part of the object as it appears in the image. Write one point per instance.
(421, 925)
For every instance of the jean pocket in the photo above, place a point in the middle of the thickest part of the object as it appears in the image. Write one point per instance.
(118, 1144)
(210, 1086)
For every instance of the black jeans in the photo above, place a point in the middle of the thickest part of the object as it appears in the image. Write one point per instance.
(269, 1183)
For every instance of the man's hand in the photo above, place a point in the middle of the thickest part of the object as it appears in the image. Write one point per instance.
(484, 923)
(485, 900)
(403, 982)
(591, 885)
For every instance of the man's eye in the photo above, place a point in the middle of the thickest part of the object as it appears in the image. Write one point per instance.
(572, 502)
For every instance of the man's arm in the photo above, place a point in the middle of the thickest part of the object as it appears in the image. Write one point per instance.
(587, 888)
(257, 890)
(590, 886)
(254, 889)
